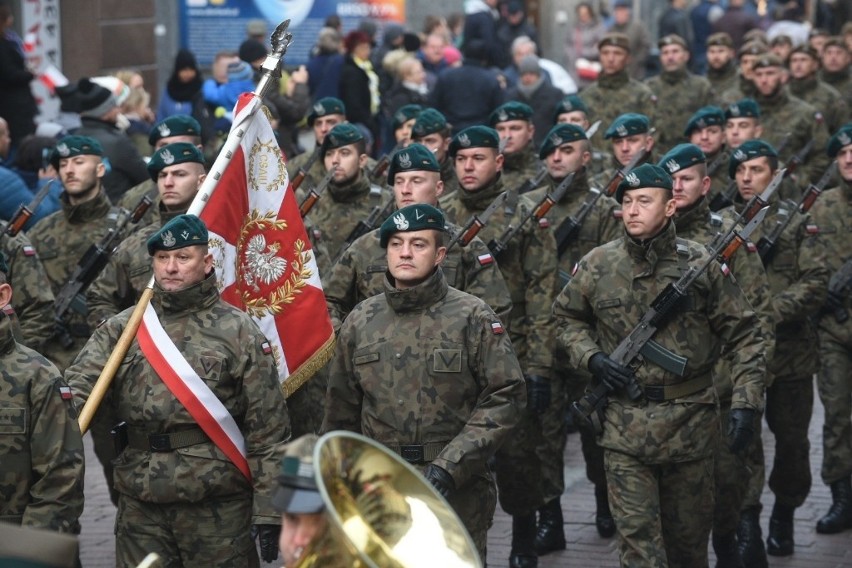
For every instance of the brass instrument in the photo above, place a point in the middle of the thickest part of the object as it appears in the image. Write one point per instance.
(381, 513)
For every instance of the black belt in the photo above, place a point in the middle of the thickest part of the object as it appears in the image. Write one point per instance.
(660, 393)
(418, 453)
(166, 442)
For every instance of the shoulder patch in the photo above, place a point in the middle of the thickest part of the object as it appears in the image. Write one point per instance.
(715, 220)
(316, 234)
(617, 213)
(751, 247)
(575, 269)
(812, 229)
(29, 250)
(8, 310)
(485, 259)
(725, 269)
(65, 392)
(266, 347)
(543, 223)
(497, 328)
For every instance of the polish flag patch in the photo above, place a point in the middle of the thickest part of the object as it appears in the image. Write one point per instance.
(29, 250)
(267, 348)
(617, 213)
(751, 247)
(543, 223)
(725, 270)
(812, 229)
(485, 259)
(497, 328)
(65, 393)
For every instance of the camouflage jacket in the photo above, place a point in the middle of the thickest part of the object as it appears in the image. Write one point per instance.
(520, 167)
(832, 213)
(427, 365)
(135, 194)
(723, 79)
(613, 95)
(528, 265)
(61, 240)
(32, 297)
(673, 109)
(225, 347)
(612, 288)
(798, 278)
(360, 274)
(318, 171)
(41, 449)
(740, 89)
(719, 179)
(823, 97)
(842, 81)
(448, 176)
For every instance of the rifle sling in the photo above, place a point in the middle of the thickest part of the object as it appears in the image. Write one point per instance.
(660, 393)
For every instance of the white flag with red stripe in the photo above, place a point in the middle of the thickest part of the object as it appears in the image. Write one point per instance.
(262, 254)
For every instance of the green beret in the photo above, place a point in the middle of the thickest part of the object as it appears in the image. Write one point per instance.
(743, 108)
(182, 231)
(628, 124)
(512, 110)
(646, 175)
(570, 103)
(474, 137)
(75, 146)
(559, 135)
(767, 60)
(4, 268)
(704, 117)
(342, 134)
(175, 125)
(418, 217)
(721, 38)
(404, 114)
(841, 138)
(615, 39)
(681, 157)
(324, 107)
(171, 154)
(672, 39)
(429, 121)
(747, 151)
(414, 157)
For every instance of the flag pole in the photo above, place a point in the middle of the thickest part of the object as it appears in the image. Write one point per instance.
(280, 40)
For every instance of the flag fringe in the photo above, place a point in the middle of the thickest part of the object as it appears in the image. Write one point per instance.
(309, 368)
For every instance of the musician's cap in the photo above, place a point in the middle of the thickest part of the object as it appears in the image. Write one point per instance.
(406, 113)
(412, 158)
(474, 137)
(615, 39)
(704, 117)
(559, 135)
(681, 157)
(429, 121)
(171, 154)
(840, 140)
(4, 267)
(75, 145)
(628, 124)
(175, 125)
(748, 151)
(571, 103)
(721, 38)
(324, 107)
(743, 108)
(672, 39)
(342, 134)
(297, 491)
(513, 110)
(180, 232)
(646, 175)
(417, 217)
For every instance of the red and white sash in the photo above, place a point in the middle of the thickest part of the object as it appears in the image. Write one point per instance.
(191, 390)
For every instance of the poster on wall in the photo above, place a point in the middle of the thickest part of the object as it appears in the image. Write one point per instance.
(43, 51)
(210, 26)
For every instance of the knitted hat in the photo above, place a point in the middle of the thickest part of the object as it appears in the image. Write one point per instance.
(94, 101)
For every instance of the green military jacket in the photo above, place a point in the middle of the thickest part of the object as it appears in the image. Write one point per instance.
(528, 266)
(318, 171)
(613, 95)
(823, 97)
(673, 109)
(741, 88)
(842, 81)
(228, 351)
(520, 167)
(41, 450)
(448, 175)
(134, 196)
(360, 274)
(427, 365)
(719, 180)
(723, 79)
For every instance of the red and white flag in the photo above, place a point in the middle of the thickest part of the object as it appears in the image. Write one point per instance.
(262, 254)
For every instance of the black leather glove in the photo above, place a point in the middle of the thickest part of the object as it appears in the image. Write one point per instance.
(834, 301)
(538, 393)
(740, 429)
(267, 536)
(440, 479)
(610, 373)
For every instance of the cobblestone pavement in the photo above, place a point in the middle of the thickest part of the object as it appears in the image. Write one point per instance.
(585, 547)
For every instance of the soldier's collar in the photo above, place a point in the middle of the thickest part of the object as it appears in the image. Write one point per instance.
(91, 210)
(418, 298)
(197, 297)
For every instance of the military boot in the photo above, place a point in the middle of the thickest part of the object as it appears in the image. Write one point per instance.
(750, 539)
(603, 517)
(839, 516)
(725, 547)
(550, 536)
(780, 539)
(523, 542)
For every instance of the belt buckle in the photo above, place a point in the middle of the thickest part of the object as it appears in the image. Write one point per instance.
(654, 393)
(412, 454)
(159, 442)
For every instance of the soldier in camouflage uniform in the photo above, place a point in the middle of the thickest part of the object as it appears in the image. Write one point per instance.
(181, 495)
(673, 109)
(742, 123)
(402, 122)
(835, 67)
(615, 92)
(431, 130)
(797, 277)
(358, 275)
(528, 265)
(566, 151)
(687, 165)
(455, 395)
(805, 84)
(658, 449)
(572, 110)
(62, 238)
(325, 114)
(630, 134)
(721, 63)
(744, 86)
(513, 122)
(40, 445)
(706, 129)
(833, 213)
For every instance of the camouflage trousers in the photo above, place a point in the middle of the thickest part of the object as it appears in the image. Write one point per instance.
(518, 468)
(103, 422)
(197, 535)
(834, 384)
(551, 447)
(729, 471)
(475, 504)
(663, 512)
(592, 452)
(307, 405)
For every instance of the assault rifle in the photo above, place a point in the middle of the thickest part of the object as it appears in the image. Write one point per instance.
(476, 222)
(612, 184)
(533, 182)
(716, 163)
(383, 163)
(364, 226)
(303, 171)
(839, 284)
(313, 196)
(26, 211)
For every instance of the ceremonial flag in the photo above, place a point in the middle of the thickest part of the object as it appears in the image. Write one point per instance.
(262, 255)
